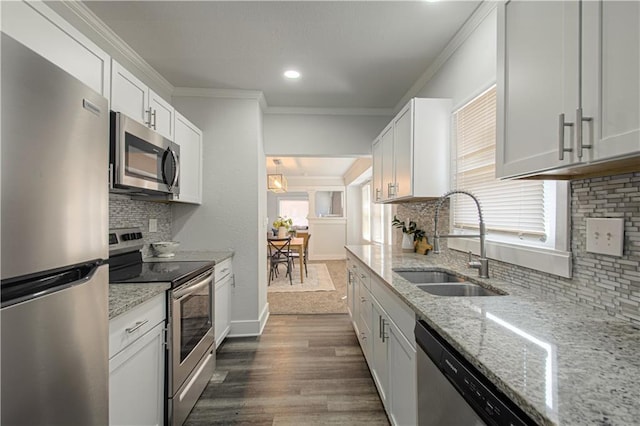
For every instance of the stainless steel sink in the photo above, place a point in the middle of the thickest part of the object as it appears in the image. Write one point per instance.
(456, 289)
(428, 276)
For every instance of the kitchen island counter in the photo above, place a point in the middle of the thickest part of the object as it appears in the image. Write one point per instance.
(561, 362)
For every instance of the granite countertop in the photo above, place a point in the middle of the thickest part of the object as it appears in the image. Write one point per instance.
(216, 256)
(123, 297)
(561, 362)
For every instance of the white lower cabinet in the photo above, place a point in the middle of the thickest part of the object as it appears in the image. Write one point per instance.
(136, 365)
(384, 325)
(402, 391)
(224, 281)
(380, 350)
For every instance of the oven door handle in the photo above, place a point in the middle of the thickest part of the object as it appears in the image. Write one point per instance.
(180, 294)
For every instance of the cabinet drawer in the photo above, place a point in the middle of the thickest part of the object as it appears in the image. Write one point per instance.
(223, 269)
(131, 325)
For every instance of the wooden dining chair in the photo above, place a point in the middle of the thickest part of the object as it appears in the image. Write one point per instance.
(279, 253)
(295, 255)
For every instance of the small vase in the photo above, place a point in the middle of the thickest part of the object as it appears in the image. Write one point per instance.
(407, 243)
(282, 232)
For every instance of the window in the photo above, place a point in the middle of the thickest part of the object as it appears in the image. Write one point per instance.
(298, 210)
(516, 212)
(366, 211)
(512, 210)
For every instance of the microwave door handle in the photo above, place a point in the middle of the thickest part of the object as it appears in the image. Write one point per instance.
(176, 168)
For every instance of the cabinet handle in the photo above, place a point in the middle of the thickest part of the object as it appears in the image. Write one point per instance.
(148, 112)
(363, 276)
(154, 119)
(383, 335)
(233, 281)
(380, 326)
(561, 125)
(349, 278)
(135, 327)
(579, 134)
(362, 299)
(378, 191)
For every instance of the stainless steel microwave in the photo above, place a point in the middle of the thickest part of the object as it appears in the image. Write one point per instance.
(141, 160)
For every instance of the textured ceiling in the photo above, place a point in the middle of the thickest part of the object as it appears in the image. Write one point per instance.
(362, 54)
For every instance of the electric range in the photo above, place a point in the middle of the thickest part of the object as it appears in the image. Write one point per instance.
(190, 360)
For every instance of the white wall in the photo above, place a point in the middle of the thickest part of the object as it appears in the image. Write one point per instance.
(470, 69)
(233, 211)
(354, 214)
(320, 135)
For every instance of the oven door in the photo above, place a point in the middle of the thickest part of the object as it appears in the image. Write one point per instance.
(143, 158)
(192, 326)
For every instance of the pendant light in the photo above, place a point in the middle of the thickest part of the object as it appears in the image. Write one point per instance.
(276, 182)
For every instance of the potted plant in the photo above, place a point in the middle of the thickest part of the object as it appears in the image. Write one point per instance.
(411, 234)
(282, 225)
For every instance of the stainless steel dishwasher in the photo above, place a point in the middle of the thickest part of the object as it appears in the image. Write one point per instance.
(452, 392)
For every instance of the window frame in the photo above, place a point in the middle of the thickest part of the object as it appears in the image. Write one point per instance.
(555, 259)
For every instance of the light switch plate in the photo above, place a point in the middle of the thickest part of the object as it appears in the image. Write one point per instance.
(605, 236)
(153, 225)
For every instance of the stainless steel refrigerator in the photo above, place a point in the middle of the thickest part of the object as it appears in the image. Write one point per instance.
(54, 284)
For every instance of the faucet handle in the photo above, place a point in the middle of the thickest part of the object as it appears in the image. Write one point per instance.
(470, 258)
(474, 264)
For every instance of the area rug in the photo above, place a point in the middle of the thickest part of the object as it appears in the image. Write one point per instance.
(318, 279)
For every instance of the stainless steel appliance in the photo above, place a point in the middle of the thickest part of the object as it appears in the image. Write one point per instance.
(190, 318)
(141, 160)
(54, 294)
(453, 392)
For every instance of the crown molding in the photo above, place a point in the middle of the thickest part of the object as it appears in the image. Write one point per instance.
(205, 92)
(85, 14)
(477, 17)
(372, 112)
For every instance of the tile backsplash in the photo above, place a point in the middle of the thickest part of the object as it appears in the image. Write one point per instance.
(600, 281)
(125, 212)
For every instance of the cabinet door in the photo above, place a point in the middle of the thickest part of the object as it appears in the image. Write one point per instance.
(537, 81)
(377, 170)
(136, 382)
(189, 137)
(379, 348)
(403, 152)
(611, 78)
(128, 94)
(162, 115)
(386, 139)
(222, 305)
(403, 390)
(36, 26)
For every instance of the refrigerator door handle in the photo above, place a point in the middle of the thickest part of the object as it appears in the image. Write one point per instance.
(24, 289)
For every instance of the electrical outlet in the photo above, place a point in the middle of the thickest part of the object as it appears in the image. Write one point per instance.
(605, 236)
(153, 225)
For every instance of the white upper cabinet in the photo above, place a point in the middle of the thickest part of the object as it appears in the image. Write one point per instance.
(132, 97)
(414, 152)
(40, 29)
(129, 95)
(611, 77)
(189, 137)
(162, 115)
(568, 90)
(377, 170)
(386, 140)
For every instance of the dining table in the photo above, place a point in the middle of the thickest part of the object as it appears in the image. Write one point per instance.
(297, 243)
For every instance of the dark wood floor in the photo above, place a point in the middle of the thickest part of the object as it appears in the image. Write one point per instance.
(303, 370)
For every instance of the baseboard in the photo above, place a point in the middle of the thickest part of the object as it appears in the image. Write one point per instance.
(327, 257)
(250, 328)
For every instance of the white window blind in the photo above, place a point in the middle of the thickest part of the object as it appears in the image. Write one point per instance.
(513, 208)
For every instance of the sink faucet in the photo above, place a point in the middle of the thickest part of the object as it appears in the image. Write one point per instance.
(482, 265)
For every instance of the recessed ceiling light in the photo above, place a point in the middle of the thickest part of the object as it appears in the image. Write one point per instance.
(292, 74)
